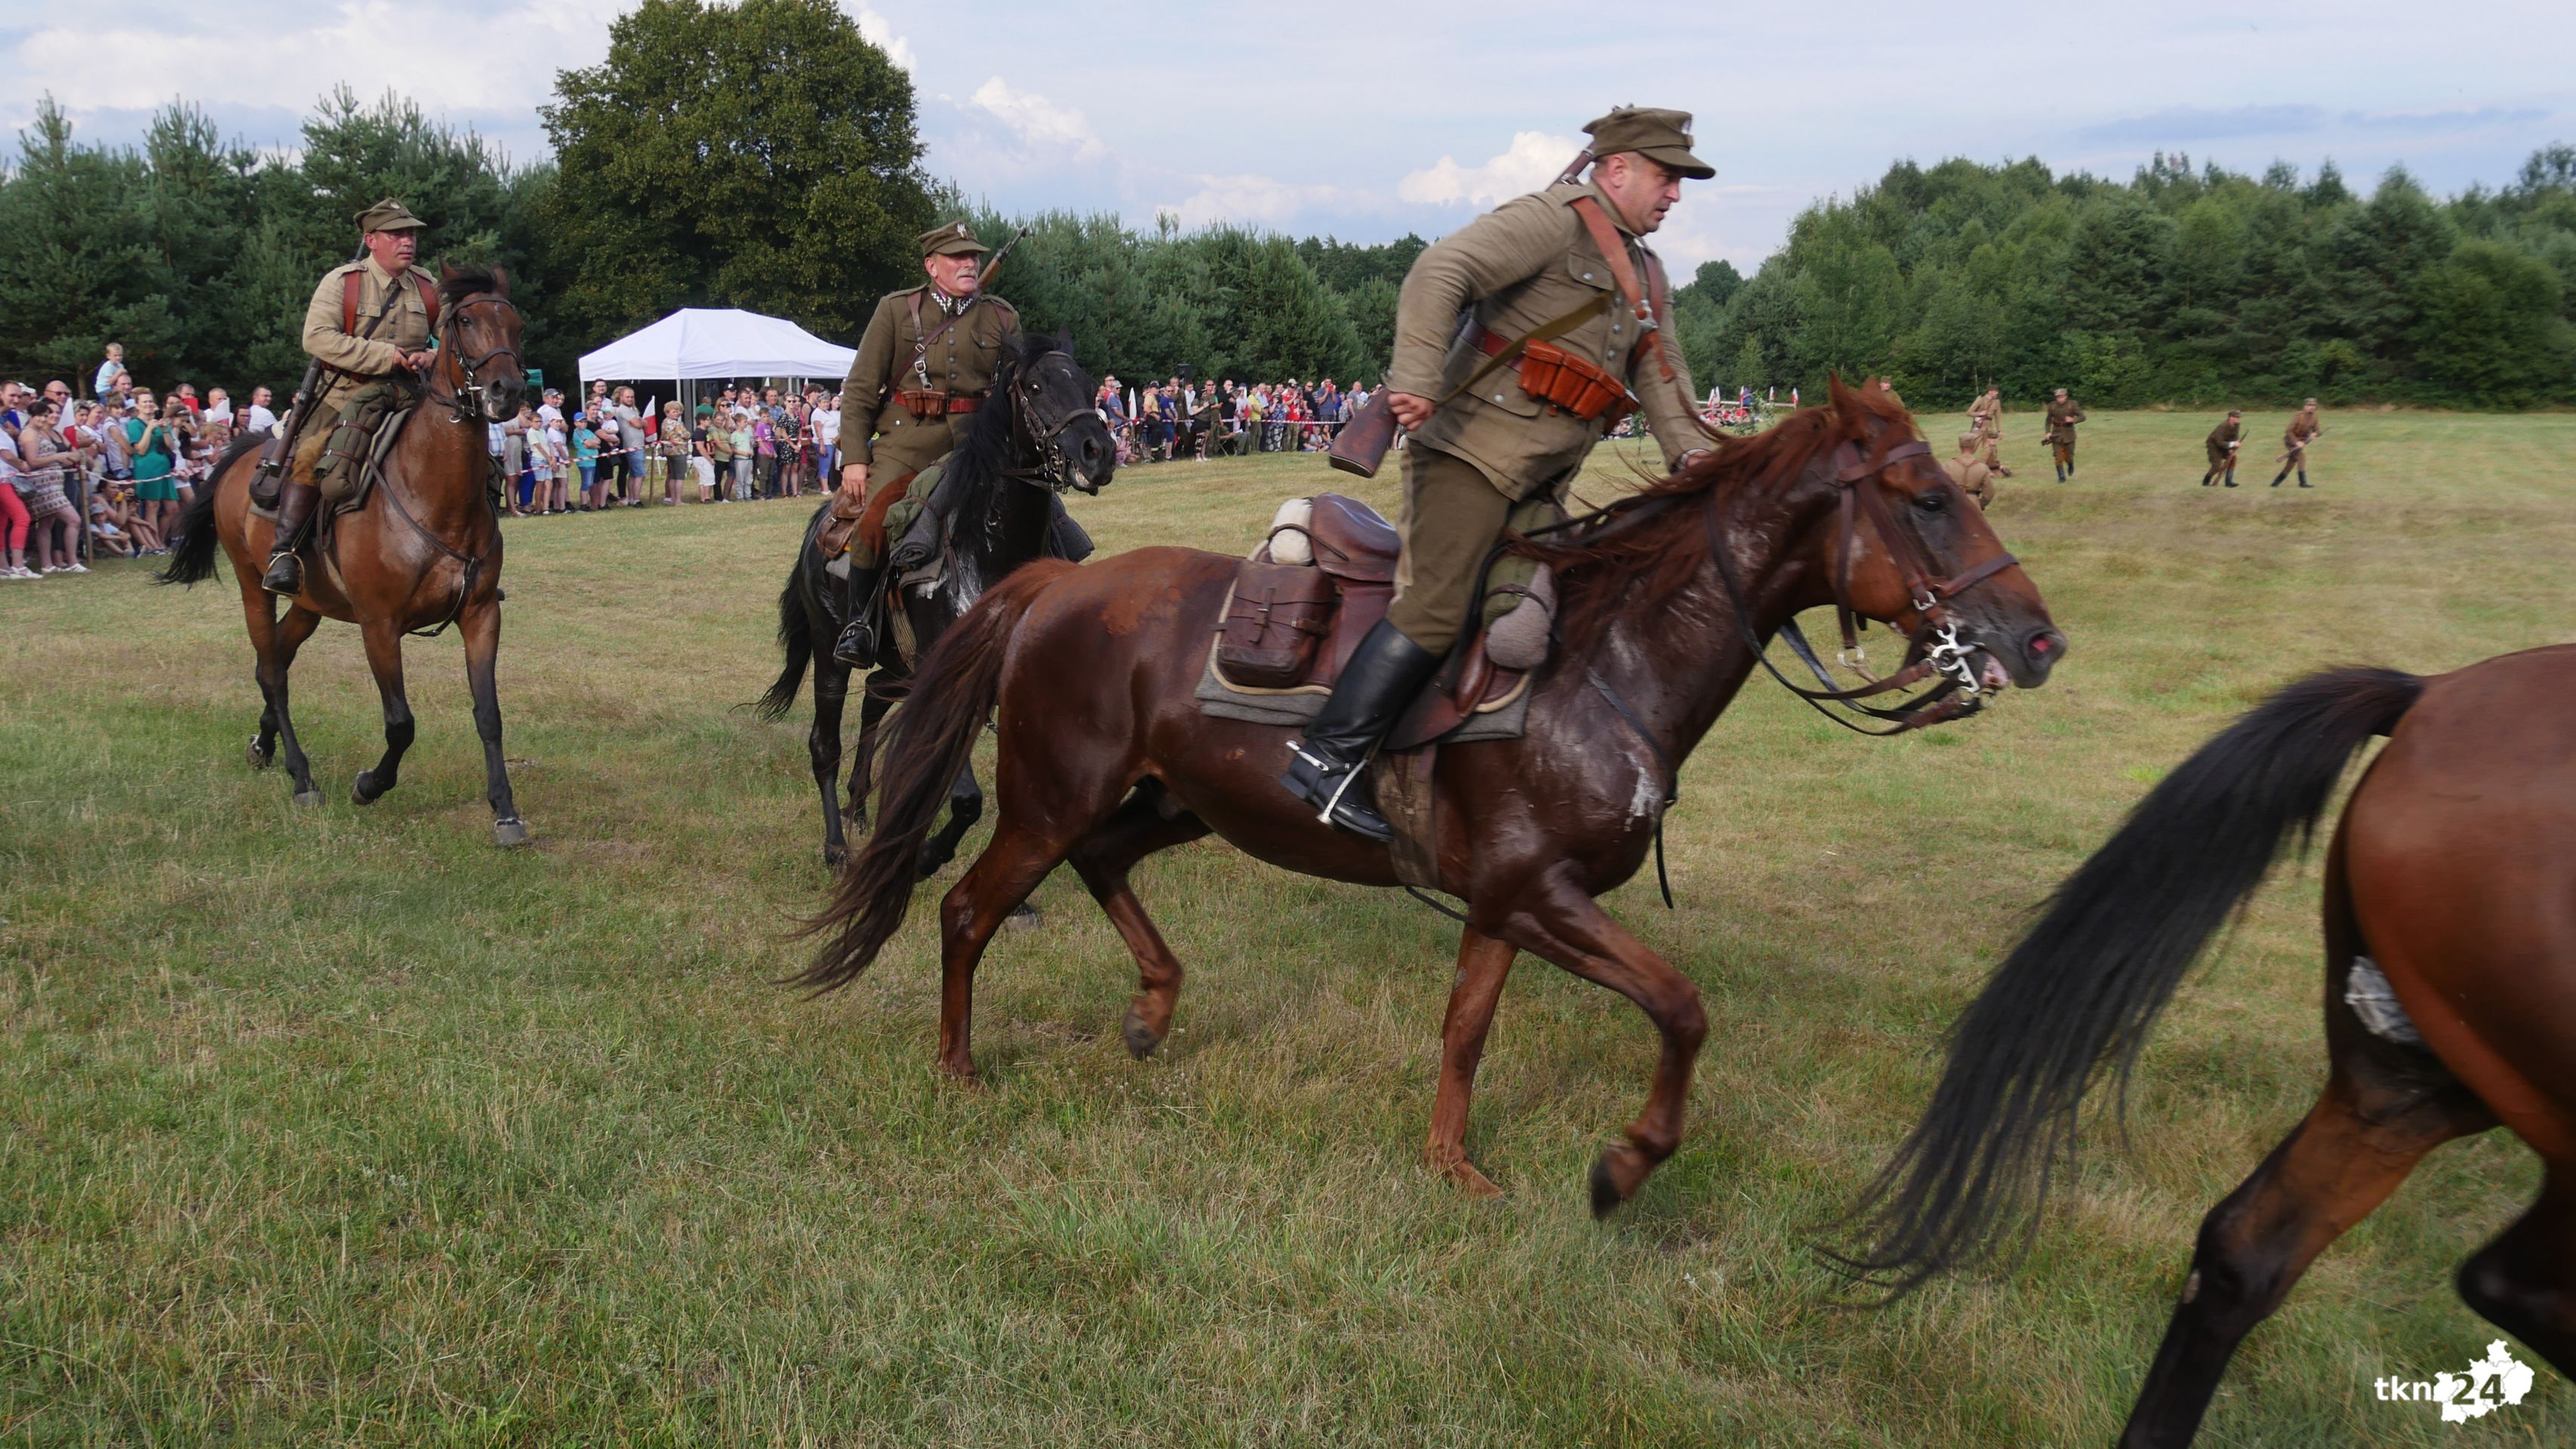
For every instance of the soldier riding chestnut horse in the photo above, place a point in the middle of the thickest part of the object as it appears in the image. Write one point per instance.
(424, 550)
(2450, 1004)
(1106, 758)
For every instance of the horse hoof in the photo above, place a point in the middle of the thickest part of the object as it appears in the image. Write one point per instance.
(836, 856)
(260, 759)
(1141, 1039)
(933, 863)
(1023, 918)
(507, 833)
(1616, 1175)
(1463, 1175)
(362, 791)
(308, 799)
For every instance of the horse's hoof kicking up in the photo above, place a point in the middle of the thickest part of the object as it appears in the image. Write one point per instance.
(259, 758)
(363, 791)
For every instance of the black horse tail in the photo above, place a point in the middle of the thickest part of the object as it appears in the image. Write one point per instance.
(192, 553)
(2081, 990)
(796, 638)
(956, 689)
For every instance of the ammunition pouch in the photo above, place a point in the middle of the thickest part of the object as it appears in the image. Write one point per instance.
(1565, 381)
(926, 403)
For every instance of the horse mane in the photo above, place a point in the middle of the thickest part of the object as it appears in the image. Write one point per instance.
(1642, 550)
(460, 283)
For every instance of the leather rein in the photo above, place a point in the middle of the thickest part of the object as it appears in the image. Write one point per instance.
(1053, 470)
(1934, 650)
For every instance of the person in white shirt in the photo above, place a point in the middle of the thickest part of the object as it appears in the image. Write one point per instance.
(827, 434)
(219, 407)
(108, 369)
(259, 419)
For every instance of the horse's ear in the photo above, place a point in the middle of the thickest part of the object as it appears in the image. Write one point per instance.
(500, 281)
(1064, 339)
(1846, 405)
(446, 273)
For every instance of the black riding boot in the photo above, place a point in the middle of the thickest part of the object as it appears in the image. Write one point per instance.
(285, 576)
(1382, 678)
(857, 646)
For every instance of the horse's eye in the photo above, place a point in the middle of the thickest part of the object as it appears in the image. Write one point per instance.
(1931, 502)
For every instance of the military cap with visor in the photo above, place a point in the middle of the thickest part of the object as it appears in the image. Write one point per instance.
(951, 239)
(1663, 137)
(389, 215)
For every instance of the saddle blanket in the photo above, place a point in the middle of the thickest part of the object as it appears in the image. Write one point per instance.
(1220, 698)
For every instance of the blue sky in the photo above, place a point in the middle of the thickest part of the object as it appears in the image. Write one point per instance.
(1369, 121)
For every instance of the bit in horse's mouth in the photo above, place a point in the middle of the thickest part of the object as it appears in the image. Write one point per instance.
(1990, 670)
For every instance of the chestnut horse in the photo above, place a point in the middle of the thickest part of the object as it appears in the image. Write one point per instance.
(424, 552)
(2450, 1003)
(1105, 757)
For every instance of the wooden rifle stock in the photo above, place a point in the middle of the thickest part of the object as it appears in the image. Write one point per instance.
(1362, 443)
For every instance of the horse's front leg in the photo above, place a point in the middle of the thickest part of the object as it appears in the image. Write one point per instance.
(965, 807)
(873, 707)
(385, 661)
(481, 626)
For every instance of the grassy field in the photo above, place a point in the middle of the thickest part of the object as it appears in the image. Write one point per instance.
(343, 1127)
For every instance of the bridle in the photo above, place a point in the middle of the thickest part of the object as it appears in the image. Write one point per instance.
(472, 401)
(1035, 429)
(1935, 649)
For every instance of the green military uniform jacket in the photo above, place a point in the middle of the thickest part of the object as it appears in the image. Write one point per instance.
(2303, 427)
(2062, 418)
(877, 430)
(370, 357)
(1520, 265)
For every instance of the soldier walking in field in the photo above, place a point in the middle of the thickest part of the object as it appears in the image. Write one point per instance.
(2222, 444)
(2303, 430)
(2063, 415)
(1986, 415)
(368, 327)
(923, 365)
(1565, 335)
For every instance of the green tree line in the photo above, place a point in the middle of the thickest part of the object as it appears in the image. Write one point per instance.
(2182, 286)
(765, 155)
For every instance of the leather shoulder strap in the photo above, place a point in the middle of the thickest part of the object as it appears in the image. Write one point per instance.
(428, 296)
(1647, 302)
(349, 301)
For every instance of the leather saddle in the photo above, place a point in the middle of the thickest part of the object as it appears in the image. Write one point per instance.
(1291, 627)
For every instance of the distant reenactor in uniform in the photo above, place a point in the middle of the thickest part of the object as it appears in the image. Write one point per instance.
(922, 368)
(2222, 443)
(371, 354)
(1987, 416)
(1972, 476)
(2063, 415)
(1504, 451)
(2303, 430)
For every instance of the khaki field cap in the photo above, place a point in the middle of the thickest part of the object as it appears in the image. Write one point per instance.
(1663, 136)
(951, 239)
(389, 215)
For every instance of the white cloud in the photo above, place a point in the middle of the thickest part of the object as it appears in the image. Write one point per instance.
(1245, 198)
(1039, 121)
(1533, 161)
(878, 31)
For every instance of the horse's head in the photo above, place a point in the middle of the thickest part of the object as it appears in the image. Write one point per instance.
(1057, 418)
(478, 344)
(1907, 548)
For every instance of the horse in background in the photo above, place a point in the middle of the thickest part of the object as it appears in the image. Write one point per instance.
(420, 552)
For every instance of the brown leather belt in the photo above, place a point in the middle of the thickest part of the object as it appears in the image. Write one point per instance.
(931, 402)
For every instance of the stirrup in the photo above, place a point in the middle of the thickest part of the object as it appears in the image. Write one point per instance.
(285, 575)
(1326, 785)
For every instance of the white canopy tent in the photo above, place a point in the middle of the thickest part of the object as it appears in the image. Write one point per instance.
(699, 343)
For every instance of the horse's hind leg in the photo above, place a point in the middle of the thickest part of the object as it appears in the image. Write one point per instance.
(2378, 1116)
(2525, 1281)
(863, 762)
(385, 661)
(1135, 830)
(277, 661)
(481, 626)
(1010, 867)
(823, 746)
(965, 807)
(1483, 965)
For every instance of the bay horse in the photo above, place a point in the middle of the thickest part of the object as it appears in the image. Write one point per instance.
(424, 551)
(1667, 603)
(1038, 435)
(2447, 888)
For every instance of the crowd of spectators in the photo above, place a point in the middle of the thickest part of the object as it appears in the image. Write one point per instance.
(1182, 418)
(106, 473)
(749, 443)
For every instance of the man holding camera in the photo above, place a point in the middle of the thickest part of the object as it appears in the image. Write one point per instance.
(1567, 310)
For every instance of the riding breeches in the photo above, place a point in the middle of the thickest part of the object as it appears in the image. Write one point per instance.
(1453, 516)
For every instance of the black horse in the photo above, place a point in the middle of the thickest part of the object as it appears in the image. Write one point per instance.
(1037, 434)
